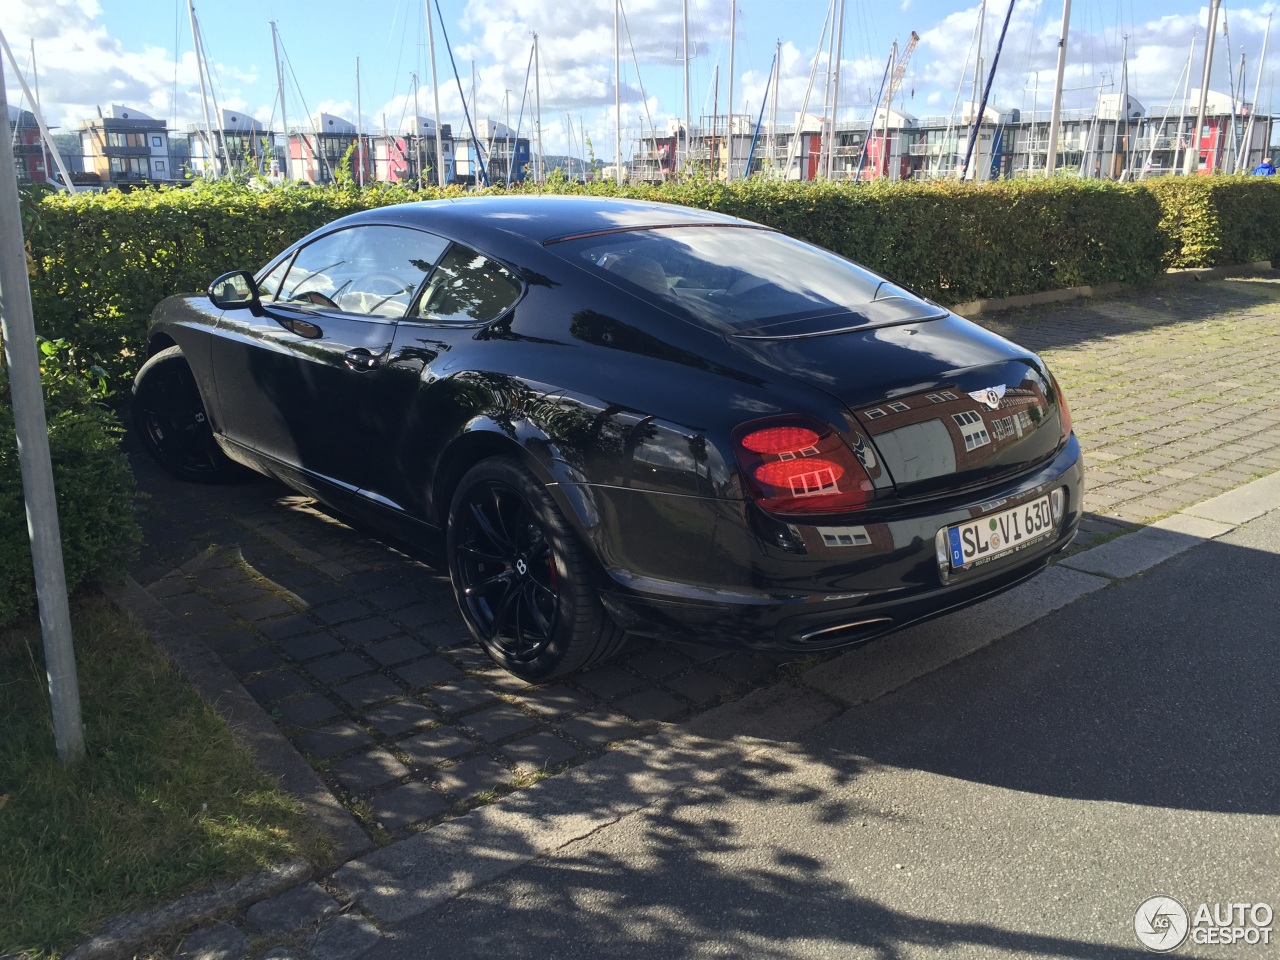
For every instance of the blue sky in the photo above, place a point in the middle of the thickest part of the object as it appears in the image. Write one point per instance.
(96, 52)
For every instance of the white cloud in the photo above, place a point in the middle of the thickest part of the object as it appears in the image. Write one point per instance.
(81, 67)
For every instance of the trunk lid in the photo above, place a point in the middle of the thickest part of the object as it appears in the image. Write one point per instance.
(947, 404)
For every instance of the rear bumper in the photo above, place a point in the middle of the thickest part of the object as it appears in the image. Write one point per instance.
(893, 579)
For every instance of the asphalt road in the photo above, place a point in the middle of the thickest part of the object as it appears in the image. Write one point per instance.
(1021, 802)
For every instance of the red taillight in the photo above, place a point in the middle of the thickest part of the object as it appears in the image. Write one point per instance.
(1062, 403)
(800, 466)
(779, 439)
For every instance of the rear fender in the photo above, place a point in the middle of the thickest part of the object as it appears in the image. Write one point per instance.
(523, 441)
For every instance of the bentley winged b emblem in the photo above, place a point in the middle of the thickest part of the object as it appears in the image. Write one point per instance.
(991, 396)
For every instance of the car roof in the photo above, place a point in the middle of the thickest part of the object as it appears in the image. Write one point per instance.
(537, 218)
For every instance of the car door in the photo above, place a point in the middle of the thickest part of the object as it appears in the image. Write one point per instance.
(306, 385)
(447, 345)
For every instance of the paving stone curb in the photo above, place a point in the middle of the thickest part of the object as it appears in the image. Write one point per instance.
(1136, 553)
(247, 720)
(121, 936)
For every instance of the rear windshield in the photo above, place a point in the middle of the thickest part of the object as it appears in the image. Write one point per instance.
(732, 279)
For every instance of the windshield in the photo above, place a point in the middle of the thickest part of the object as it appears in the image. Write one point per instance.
(732, 279)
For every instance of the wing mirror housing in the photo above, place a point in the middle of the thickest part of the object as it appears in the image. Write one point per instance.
(235, 291)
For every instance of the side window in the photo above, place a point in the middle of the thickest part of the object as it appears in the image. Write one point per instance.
(269, 286)
(373, 271)
(468, 287)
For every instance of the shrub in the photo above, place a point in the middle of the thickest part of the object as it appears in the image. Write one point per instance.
(1218, 221)
(95, 489)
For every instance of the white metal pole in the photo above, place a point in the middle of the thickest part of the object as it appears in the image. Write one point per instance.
(17, 330)
(1055, 113)
(435, 92)
(1191, 163)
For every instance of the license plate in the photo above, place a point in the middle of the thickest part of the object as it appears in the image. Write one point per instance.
(980, 541)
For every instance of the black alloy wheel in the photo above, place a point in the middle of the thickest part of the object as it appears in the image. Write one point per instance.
(523, 580)
(169, 416)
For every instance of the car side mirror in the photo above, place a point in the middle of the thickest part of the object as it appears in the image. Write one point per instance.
(236, 290)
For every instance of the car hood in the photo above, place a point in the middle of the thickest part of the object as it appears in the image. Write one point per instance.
(947, 403)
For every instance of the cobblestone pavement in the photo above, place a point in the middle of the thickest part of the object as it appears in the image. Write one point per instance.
(1175, 393)
(355, 648)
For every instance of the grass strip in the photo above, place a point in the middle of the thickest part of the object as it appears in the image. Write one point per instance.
(165, 800)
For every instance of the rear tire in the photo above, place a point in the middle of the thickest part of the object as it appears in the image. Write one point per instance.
(525, 584)
(170, 419)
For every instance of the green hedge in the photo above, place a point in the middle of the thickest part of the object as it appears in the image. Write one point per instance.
(95, 489)
(1218, 221)
(101, 262)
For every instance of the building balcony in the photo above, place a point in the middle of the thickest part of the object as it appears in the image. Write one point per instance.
(110, 151)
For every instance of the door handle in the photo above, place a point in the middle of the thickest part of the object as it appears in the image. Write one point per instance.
(361, 359)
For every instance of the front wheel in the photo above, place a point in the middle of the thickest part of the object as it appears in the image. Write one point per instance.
(170, 418)
(524, 582)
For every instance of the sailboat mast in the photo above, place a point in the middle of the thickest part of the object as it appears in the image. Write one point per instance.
(39, 115)
(1122, 109)
(797, 136)
(733, 38)
(1235, 143)
(35, 84)
(435, 92)
(773, 108)
(537, 110)
(1242, 162)
(284, 123)
(1191, 163)
(835, 92)
(359, 127)
(977, 67)
(617, 96)
(417, 133)
(688, 130)
(211, 158)
(1055, 113)
(203, 62)
(884, 136)
(828, 127)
